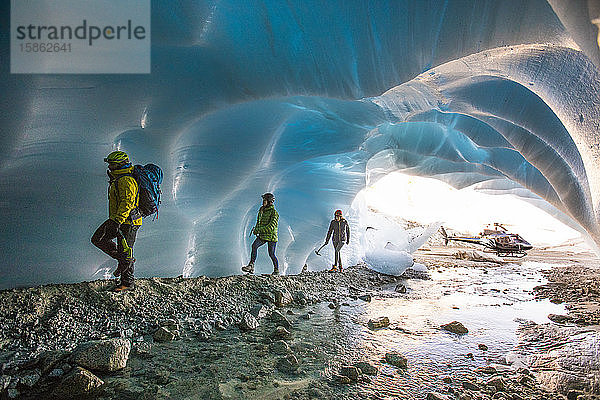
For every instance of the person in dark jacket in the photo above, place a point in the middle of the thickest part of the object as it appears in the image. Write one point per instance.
(124, 218)
(266, 232)
(340, 230)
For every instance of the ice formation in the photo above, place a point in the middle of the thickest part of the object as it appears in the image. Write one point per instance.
(309, 100)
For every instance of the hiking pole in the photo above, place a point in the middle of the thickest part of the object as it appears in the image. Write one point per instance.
(317, 251)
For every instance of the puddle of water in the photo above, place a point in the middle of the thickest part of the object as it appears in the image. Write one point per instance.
(236, 365)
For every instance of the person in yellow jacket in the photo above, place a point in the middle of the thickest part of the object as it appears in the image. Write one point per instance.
(124, 218)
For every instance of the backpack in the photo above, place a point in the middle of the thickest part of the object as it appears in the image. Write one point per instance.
(148, 177)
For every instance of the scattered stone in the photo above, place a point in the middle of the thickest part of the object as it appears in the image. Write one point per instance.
(497, 382)
(56, 373)
(288, 364)
(102, 355)
(560, 319)
(331, 305)
(377, 323)
(13, 393)
(366, 368)
(4, 382)
(400, 288)
(282, 298)
(455, 327)
(267, 297)
(482, 347)
(77, 383)
(280, 319)
(343, 379)
(29, 379)
(470, 386)
(447, 380)
(306, 316)
(142, 350)
(350, 371)
(163, 334)
(280, 347)
(488, 369)
(259, 311)
(300, 298)
(281, 333)
(365, 297)
(396, 359)
(436, 396)
(470, 355)
(248, 322)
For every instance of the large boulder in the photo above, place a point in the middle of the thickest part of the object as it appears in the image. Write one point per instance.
(288, 364)
(102, 355)
(280, 319)
(164, 334)
(366, 368)
(76, 384)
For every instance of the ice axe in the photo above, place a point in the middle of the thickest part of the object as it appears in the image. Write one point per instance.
(317, 251)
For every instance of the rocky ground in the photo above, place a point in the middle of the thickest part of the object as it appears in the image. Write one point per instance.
(66, 341)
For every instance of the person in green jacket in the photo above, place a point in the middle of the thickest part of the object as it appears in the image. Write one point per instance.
(266, 232)
(124, 218)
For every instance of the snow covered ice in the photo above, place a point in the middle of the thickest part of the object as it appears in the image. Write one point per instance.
(309, 100)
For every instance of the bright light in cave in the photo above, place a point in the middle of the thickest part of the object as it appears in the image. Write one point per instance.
(428, 200)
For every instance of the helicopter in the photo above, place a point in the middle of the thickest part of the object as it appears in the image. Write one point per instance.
(495, 239)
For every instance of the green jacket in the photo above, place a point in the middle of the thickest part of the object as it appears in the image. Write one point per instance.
(122, 196)
(266, 224)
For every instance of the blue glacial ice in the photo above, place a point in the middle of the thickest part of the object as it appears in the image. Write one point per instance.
(312, 101)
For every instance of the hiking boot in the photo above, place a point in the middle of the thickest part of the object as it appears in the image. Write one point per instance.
(341, 269)
(248, 268)
(333, 269)
(121, 288)
(275, 272)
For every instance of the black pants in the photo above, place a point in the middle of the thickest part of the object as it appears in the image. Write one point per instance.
(337, 246)
(271, 247)
(122, 251)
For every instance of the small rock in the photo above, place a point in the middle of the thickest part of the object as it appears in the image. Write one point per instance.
(163, 334)
(574, 394)
(470, 386)
(470, 355)
(331, 305)
(259, 311)
(30, 379)
(488, 369)
(282, 298)
(142, 349)
(248, 322)
(400, 288)
(102, 355)
(343, 379)
(436, 396)
(455, 327)
(447, 380)
(497, 382)
(77, 383)
(482, 347)
(267, 297)
(396, 359)
(280, 319)
(366, 368)
(365, 297)
(4, 382)
(381, 322)
(288, 364)
(560, 319)
(306, 316)
(280, 347)
(13, 393)
(281, 333)
(350, 371)
(56, 373)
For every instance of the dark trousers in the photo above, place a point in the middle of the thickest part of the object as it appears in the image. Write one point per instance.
(122, 251)
(259, 242)
(337, 246)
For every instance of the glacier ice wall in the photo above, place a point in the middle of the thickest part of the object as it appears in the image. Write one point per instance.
(310, 100)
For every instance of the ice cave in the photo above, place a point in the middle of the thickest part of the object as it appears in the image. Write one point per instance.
(312, 101)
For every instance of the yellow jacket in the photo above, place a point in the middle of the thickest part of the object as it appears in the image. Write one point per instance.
(122, 196)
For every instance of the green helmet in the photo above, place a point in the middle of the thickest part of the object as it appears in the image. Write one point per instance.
(117, 157)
